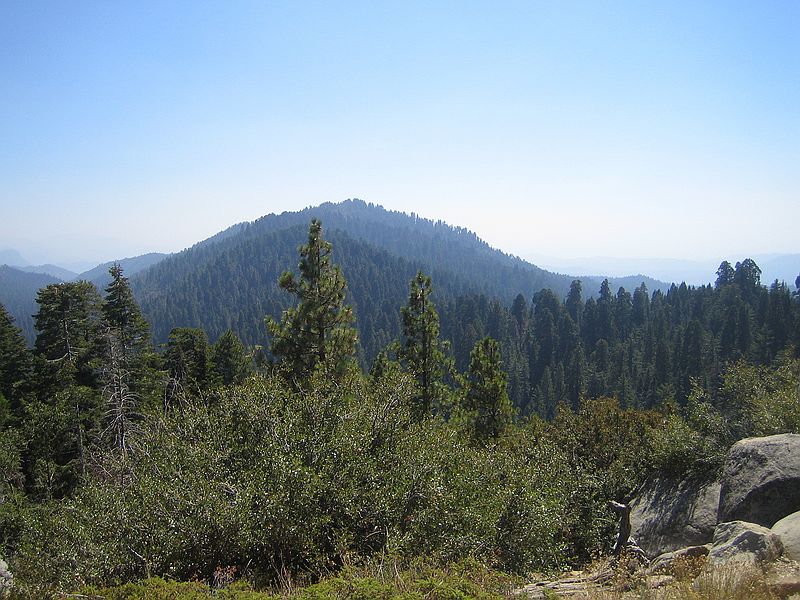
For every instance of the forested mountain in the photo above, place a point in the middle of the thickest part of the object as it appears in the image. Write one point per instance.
(436, 245)
(18, 294)
(560, 338)
(101, 278)
(12, 258)
(229, 280)
(232, 284)
(52, 270)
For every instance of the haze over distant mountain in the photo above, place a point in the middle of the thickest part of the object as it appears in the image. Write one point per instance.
(132, 265)
(63, 270)
(53, 270)
(19, 285)
(18, 294)
(783, 267)
(12, 258)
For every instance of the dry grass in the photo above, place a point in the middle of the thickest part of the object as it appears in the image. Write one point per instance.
(732, 582)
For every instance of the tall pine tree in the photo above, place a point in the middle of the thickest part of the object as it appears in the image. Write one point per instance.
(486, 399)
(421, 352)
(318, 332)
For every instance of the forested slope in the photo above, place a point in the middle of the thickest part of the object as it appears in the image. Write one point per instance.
(229, 281)
(233, 285)
(18, 294)
(638, 346)
(99, 274)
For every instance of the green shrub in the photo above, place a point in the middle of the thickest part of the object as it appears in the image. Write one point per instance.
(292, 485)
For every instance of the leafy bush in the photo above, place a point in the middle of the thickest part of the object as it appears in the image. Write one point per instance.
(295, 484)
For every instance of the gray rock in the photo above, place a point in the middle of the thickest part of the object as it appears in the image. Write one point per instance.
(761, 480)
(663, 563)
(668, 515)
(788, 528)
(739, 541)
(6, 578)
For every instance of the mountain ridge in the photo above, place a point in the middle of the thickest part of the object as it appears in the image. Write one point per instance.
(229, 281)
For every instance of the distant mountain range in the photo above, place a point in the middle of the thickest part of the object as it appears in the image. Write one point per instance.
(52, 270)
(18, 294)
(229, 280)
(12, 258)
(783, 267)
(19, 284)
(130, 266)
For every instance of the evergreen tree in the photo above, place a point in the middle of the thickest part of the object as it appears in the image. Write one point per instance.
(747, 275)
(519, 310)
(576, 377)
(15, 365)
(546, 397)
(317, 332)
(486, 398)
(128, 360)
(124, 317)
(229, 359)
(641, 306)
(421, 352)
(605, 319)
(725, 274)
(68, 322)
(727, 342)
(187, 361)
(65, 419)
(574, 302)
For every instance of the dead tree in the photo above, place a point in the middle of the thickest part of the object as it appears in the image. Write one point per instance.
(625, 543)
(624, 533)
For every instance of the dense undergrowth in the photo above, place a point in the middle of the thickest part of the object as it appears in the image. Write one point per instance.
(284, 487)
(384, 578)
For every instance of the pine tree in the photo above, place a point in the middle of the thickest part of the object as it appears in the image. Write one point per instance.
(123, 315)
(187, 361)
(68, 322)
(519, 310)
(229, 359)
(128, 359)
(574, 302)
(421, 352)
(15, 363)
(62, 422)
(725, 274)
(317, 332)
(486, 398)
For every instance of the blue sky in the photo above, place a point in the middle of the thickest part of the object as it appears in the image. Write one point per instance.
(565, 129)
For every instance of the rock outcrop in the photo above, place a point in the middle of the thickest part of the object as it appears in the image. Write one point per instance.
(6, 579)
(668, 515)
(788, 529)
(739, 541)
(664, 562)
(761, 480)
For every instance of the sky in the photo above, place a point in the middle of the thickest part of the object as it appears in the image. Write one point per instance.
(559, 129)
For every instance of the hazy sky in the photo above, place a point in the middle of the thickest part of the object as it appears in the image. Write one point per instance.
(655, 129)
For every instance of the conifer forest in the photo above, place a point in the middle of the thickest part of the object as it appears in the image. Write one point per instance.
(392, 397)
